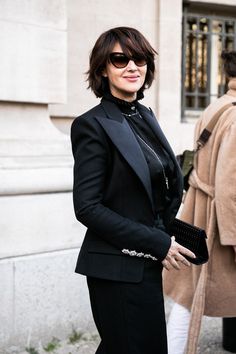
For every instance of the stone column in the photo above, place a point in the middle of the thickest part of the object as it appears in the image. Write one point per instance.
(169, 75)
(38, 232)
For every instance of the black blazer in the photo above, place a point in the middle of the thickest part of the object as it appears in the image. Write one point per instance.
(112, 195)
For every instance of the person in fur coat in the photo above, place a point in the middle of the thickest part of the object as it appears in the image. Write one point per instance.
(210, 203)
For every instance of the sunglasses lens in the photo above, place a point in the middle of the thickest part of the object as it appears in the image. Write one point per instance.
(140, 61)
(119, 60)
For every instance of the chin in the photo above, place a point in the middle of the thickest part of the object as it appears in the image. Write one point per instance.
(133, 90)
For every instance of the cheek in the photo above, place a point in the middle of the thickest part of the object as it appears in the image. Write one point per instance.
(112, 76)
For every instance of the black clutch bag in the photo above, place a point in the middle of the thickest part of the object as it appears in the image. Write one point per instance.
(191, 237)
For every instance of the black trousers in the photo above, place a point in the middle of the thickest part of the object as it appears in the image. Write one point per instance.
(229, 334)
(130, 317)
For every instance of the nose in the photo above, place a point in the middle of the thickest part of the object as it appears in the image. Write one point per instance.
(131, 65)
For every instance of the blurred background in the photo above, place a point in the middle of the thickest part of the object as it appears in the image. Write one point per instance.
(44, 50)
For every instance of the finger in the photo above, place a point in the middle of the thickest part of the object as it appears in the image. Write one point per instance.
(166, 265)
(185, 262)
(182, 259)
(185, 251)
(174, 263)
(169, 257)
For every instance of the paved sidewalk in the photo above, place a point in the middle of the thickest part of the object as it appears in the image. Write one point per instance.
(210, 341)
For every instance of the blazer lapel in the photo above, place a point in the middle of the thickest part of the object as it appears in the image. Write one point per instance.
(119, 131)
(148, 115)
(178, 182)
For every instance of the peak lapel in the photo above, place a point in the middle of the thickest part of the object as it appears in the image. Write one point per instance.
(120, 133)
(151, 120)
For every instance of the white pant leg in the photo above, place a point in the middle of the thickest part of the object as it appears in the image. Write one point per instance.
(177, 329)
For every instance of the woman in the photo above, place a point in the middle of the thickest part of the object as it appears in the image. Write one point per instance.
(127, 190)
(210, 204)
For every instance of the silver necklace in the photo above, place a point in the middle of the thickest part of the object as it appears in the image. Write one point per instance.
(158, 158)
(136, 113)
(130, 115)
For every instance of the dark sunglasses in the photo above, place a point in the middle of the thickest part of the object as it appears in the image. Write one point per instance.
(120, 60)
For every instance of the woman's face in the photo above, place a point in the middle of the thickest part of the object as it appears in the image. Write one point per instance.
(125, 82)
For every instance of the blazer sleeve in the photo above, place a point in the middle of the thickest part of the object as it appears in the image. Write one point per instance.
(91, 154)
(225, 187)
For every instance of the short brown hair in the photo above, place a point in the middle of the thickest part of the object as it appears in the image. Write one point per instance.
(132, 42)
(229, 62)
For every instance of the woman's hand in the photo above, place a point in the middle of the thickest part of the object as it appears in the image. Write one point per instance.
(175, 256)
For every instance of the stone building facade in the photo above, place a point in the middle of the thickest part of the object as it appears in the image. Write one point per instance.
(44, 54)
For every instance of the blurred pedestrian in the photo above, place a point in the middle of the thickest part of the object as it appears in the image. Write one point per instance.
(127, 190)
(210, 203)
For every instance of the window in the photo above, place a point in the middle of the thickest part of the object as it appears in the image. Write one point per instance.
(205, 35)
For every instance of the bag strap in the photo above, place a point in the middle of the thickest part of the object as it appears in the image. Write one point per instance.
(206, 133)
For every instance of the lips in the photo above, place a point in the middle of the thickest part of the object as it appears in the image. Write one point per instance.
(131, 78)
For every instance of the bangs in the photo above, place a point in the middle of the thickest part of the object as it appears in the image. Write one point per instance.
(130, 49)
(132, 44)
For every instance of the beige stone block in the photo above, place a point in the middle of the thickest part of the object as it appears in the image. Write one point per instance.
(37, 12)
(31, 122)
(38, 179)
(35, 157)
(48, 298)
(38, 223)
(169, 67)
(6, 301)
(33, 67)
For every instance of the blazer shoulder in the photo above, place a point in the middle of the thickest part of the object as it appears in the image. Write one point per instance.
(88, 116)
(146, 109)
(87, 124)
